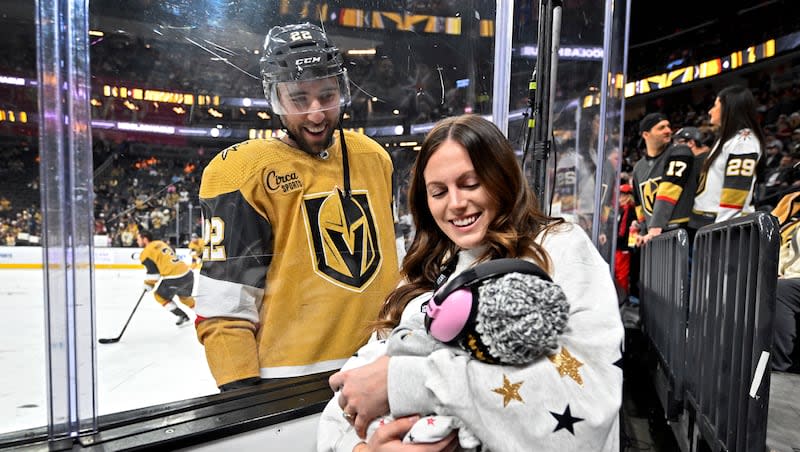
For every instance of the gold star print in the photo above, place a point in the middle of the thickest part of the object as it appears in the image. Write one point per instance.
(509, 391)
(566, 364)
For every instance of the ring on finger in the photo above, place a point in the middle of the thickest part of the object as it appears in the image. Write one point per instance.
(349, 417)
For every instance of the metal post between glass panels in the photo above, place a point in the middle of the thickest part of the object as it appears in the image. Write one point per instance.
(502, 63)
(67, 209)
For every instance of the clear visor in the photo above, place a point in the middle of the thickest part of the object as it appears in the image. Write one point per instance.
(308, 96)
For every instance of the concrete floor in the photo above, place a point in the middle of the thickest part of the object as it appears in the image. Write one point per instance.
(643, 427)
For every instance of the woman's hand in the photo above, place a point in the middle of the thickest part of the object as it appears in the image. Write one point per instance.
(389, 438)
(364, 395)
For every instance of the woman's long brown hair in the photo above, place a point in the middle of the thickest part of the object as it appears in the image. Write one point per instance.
(512, 233)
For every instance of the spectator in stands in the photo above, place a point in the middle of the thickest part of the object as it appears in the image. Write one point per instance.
(196, 246)
(300, 243)
(772, 156)
(785, 349)
(783, 128)
(167, 271)
(794, 142)
(676, 189)
(587, 169)
(663, 180)
(655, 133)
(794, 121)
(100, 225)
(129, 232)
(470, 203)
(626, 214)
(727, 177)
(779, 178)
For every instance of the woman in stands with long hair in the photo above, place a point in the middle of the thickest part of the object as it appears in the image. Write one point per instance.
(471, 203)
(725, 188)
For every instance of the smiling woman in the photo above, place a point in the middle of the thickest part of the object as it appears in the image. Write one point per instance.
(460, 205)
(472, 206)
(110, 134)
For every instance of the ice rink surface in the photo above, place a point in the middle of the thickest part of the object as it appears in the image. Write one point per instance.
(155, 361)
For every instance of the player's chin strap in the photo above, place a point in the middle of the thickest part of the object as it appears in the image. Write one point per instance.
(345, 160)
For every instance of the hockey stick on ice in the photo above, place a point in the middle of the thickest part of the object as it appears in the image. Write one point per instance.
(114, 340)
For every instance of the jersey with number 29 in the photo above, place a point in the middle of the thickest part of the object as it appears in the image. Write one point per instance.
(725, 191)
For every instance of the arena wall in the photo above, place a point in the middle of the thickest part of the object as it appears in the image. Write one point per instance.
(104, 258)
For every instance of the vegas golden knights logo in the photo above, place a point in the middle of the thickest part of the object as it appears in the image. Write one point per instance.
(344, 238)
(701, 183)
(649, 189)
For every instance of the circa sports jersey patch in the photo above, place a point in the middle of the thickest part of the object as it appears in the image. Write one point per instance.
(345, 248)
(282, 182)
(649, 189)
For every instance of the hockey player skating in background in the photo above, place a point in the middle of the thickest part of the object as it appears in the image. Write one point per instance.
(167, 274)
(196, 246)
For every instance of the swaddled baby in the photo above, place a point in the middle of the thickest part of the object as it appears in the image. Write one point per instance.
(495, 316)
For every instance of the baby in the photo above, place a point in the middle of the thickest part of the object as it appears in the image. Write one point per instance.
(495, 316)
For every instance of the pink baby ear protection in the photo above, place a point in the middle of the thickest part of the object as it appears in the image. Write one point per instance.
(451, 312)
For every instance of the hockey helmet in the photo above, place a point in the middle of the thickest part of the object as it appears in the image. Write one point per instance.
(294, 58)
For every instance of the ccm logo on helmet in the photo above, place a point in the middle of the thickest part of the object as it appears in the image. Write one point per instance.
(307, 60)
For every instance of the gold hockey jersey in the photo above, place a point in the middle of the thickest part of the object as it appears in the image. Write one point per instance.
(293, 269)
(196, 246)
(159, 260)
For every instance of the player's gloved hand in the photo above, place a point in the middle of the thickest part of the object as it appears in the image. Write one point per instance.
(147, 286)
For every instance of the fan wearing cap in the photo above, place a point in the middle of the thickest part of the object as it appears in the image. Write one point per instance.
(300, 250)
(660, 179)
(699, 143)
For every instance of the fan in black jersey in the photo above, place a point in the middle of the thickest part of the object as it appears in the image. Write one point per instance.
(673, 201)
(664, 180)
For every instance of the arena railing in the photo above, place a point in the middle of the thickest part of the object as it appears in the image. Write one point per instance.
(731, 316)
(664, 309)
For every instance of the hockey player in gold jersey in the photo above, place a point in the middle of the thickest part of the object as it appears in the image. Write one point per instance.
(166, 271)
(196, 246)
(300, 250)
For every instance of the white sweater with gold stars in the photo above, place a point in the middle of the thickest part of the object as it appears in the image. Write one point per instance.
(566, 402)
